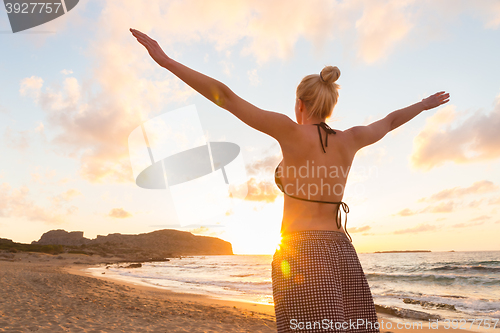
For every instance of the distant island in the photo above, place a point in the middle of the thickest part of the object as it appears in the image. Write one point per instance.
(406, 251)
(152, 246)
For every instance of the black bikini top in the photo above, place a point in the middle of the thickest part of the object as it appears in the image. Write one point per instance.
(338, 215)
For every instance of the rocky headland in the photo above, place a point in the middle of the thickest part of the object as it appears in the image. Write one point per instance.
(153, 246)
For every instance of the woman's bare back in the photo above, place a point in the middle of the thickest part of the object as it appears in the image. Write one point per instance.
(309, 172)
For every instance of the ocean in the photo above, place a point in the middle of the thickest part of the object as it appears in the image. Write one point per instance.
(451, 285)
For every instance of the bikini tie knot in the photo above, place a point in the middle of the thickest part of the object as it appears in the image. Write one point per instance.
(345, 208)
(328, 130)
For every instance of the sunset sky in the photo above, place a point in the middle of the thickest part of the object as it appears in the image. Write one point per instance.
(73, 89)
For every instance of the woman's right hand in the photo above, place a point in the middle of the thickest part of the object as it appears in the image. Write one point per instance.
(435, 100)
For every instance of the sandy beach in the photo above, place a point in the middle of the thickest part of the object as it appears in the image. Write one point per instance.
(52, 293)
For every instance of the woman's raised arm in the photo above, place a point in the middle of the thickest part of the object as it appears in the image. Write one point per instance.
(277, 125)
(363, 136)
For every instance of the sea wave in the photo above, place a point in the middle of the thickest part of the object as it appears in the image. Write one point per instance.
(466, 268)
(426, 304)
(442, 279)
(405, 313)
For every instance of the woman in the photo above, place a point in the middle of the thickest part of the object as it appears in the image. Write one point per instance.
(318, 282)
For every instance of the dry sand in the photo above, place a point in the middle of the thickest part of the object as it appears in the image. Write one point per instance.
(51, 293)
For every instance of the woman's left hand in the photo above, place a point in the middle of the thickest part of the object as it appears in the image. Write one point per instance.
(152, 46)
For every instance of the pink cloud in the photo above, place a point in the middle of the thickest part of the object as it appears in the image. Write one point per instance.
(261, 191)
(482, 186)
(479, 187)
(467, 224)
(480, 218)
(65, 197)
(94, 127)
(419, 228)
(494, 201)
(119, 213)
(382, 25)
(15, 203)
(31, 86)
(359, 229)
(439, 208)
(204, 231)
(266, 165)
(19, 140)
(475, 203)
(449, 138)
(406, 212)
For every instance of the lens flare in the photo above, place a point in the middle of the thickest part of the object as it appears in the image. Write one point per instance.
(285, 268)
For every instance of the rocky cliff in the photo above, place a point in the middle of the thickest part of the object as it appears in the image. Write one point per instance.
(62, 237)
(160, 243)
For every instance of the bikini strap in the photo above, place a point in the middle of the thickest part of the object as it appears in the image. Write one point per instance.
(345, 208)
(338, 216)
(328, 130)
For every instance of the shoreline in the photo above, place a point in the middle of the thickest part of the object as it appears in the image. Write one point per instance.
(389, 322)
(53, 293)
(167, 293)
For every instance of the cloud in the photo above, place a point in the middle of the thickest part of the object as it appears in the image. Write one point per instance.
(467, 224)
(66, 71)
(494, 201)
(31, 86)
(227, 67)
(65, 197)
(92, 125)
(37, 177)
(488, 11)
(204, 231)
(447, 137)
(439, 208)
(271, 30)
(483, 186)
(419, 228)
(475, 203)
(261, 191)
(119, 213)
(253, 77)
(406, 212)
(359, 229)
(19, 140)
(266, 165)
(480, 218)
(479, 187)
(15, 203)
(382, 25)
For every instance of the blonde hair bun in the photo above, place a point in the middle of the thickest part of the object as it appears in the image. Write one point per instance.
(320, 92)
(330, 74)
